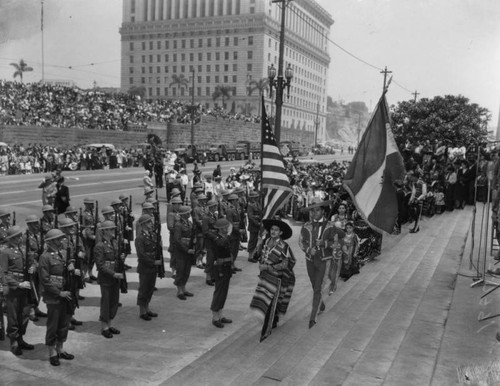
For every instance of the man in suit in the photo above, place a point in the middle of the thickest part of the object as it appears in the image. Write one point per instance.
(61, 201)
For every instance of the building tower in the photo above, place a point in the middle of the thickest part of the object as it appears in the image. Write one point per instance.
(227, 44)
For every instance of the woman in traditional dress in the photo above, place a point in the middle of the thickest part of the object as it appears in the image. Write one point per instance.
(277, 279)
(350, 249)
(341, 217)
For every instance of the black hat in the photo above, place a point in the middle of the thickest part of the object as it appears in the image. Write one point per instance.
(284, 227)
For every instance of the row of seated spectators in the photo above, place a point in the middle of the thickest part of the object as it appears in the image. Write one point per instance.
(39, 104)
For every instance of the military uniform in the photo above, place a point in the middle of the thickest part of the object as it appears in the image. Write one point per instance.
(254, 214)
(172, 218)
(199, 211)
(145, 245)
(208, 221)
(233, 216)
(106, 256)
(13, 261)
(182, 243)
(47, 224)
(3, 234)
(88, 237)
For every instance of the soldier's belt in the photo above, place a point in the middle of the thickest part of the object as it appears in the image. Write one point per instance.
(222, 261)
(109, 264)
(57, 280)
(19, 276)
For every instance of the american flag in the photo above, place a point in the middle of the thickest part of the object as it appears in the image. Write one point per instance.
(275, 182)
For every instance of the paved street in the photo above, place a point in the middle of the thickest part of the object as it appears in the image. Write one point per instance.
(409, 318)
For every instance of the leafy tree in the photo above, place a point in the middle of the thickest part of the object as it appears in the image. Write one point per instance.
(21, 68)
(451, 119)
(260, 85)
(223, 92)
(179, 80)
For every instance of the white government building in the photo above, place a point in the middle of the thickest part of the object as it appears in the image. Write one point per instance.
(230, 44)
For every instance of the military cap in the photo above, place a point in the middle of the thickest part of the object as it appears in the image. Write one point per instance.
(116, 202)
(232, 197)
(66, 222)
(202, 196)
(212, 203)
(70, 209)
(175, 192)
(48, 208)
(4, 212)
(32, 218)
(107, 209)
(13, 232)
(88, 200)
(176, 200)
(123, 197)
(147, 205)
(184, 209)
(145, 218)
(221, 223)
(148, 191)
(54, 234)
(107, 225)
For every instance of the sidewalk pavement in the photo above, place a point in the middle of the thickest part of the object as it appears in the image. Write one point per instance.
(409, 318)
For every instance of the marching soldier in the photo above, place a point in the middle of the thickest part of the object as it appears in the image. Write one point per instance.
(106, 258)
(221, 272)
(199, 210)
(208, 221)
(182, 250)
(128, 219)
(72, 214)
(16, 264)
(254, 214)
(172, 217)
(145, 245)
(53, 273)
(48, 219)
(35, 249)
(4, 226)
(233, 216)
(89, 223)
(119, 219)
(224, 203)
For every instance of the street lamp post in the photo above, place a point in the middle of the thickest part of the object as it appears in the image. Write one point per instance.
(192, 108)
(280, 83)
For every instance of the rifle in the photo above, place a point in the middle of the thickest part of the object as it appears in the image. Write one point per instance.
(13, 218)
(56, 221)
(120, 264)
(33, 294)
(78, 282)
(41, 244)
(69, 285)
(92, 245)
(159, 246)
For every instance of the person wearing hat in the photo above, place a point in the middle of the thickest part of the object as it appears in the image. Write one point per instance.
(49, 190)
(209, 218)
(147, 268)
(182, 244)
(208, 186)
(148, 193)
(35, 249)
(13, 262)
(221, 270)
(418, 195)
(90, 219)
(217, 172)
(48, 219)
(234, 217)
(4, 225)
(224, 202)
(128, 218)
(172, 217)
(218, 189)
(254, 214)
(119, 219)
(108, 278)
(170, 179)
(321, 242)
(276, 268)
(72, 214)
(60, 307)
(61, 200)
(199, 210)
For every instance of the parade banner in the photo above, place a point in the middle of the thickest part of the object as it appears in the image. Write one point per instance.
(374, 168)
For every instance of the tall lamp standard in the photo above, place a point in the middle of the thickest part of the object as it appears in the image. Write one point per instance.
(279, 84)
(192, 108)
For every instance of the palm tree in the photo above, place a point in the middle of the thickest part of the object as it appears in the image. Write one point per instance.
(246, 109)
(180, 80)
(260, 85)
(222, 91)
(21, 67)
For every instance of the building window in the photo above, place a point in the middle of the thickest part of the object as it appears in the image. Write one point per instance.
(269, 44)
(216, 79)
(199, 79)
(166, 69)
(183, 43)
(235, 66)
(182, 91)
(143, 70)
(249, 66)
(158, 45)
(235, 55)
(198, 91)
(225, 79)
(217, 42)
(175, 44)
(234, 78)
(191, 57)
(132, 19)
(217, 68)
(166, 44)
(200, 57)
(132, 6)
(143, 46)
(250, 40)
(208, 78)
(166, 57)
(208, 68)
(174, 57)
(131, 70)
(226, 67)
(131, 80)
(166, 91)
(158, 58)
(143, 58)
(209, 56)
(217, 56)
(131, 46)
(235, 41)
(150, 58)
(183, 57)
(131, 59)
(226, 43)
(150, 45)
(183, 69)
(158, 69)
(207, 91)
(226, 55)
(174, 91)
(150, 69)
(250, 55)
(143, 80)
(200, 43)
(174, 69)
(209, 42)
(191, 43)
(158, 80)
(200, 69)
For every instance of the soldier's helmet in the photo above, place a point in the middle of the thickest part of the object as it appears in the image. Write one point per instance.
(54, 234)
(66, 222)
(107, 225)
(13, 232)
(32, 218)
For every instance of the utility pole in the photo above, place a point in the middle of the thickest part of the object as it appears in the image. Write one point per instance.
(317, 127)
(385, 72)
(415, 96)
(41, 28)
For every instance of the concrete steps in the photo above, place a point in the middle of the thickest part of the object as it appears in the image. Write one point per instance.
(372, 325)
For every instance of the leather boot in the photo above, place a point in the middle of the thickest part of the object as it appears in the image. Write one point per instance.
(180, 293)
(14, 347)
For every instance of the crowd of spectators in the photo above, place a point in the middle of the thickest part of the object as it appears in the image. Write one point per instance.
(39, 104)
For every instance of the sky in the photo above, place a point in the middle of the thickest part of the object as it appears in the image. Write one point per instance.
(433, 47)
